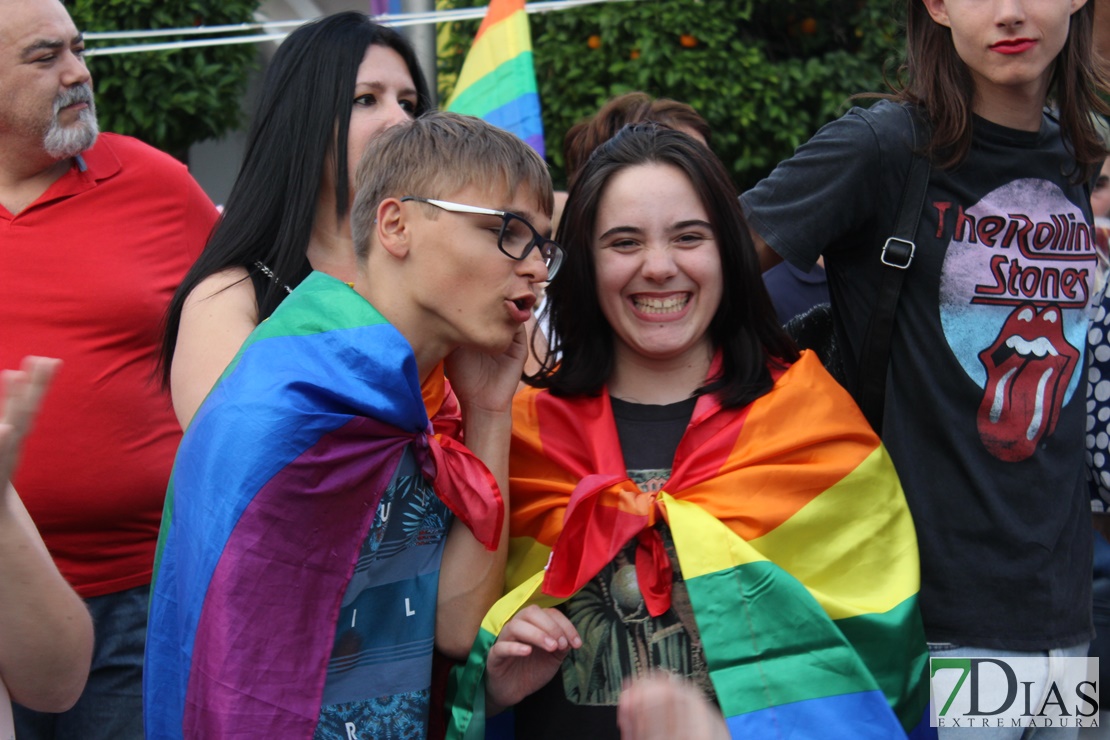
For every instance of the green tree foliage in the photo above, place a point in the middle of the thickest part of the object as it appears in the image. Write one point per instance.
(169, 99)
(766, 74)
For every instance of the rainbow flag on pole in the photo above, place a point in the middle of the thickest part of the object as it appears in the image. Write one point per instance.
(498, 79)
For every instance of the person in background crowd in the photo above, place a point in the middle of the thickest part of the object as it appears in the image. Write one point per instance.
(96, 232)
(794, 292)
(588, 134)
(1098, 424)
(333, 85)
(984, 396)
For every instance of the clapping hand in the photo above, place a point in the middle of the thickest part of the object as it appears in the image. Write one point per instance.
(23, 392)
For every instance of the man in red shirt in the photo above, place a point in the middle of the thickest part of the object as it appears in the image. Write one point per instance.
(96, 232)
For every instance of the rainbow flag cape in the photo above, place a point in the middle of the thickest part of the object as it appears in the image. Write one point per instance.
(274, 490)
(792, 534)
(498, 79)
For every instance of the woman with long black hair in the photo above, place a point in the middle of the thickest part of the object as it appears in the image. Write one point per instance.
(332, 85)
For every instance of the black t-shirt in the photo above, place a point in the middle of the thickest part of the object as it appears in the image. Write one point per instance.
(620, 639)
(985, 394)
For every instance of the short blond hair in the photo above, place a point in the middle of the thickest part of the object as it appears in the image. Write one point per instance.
(439, 154)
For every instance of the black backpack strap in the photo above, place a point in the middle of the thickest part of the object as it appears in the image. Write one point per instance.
(896, 257)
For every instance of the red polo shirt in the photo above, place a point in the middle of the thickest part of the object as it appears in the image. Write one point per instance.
(86, 273)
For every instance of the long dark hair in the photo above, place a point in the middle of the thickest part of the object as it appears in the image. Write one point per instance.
(744, 329)
(303, 113)
(937, 80)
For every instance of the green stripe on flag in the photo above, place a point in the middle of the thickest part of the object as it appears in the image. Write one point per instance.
(509, 81)
(901, 674)
(768, 642)
(316, 299)
(163, 532)
(466, 692)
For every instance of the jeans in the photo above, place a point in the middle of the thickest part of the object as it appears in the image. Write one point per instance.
(111, 707)
(1100, 646)
(946, 650)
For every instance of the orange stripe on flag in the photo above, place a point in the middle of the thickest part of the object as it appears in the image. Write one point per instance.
(498, 11)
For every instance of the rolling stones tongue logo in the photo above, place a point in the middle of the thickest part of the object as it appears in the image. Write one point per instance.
(1028, 366)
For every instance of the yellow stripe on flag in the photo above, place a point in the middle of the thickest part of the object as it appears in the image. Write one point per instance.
(503, 41)
(718, 547)
(871, 564)
(526, 593)
(526, 556)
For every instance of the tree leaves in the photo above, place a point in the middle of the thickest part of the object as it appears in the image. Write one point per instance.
(765, 74)
(169, 99)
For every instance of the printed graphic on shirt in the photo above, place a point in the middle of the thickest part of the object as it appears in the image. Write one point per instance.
(1014, 292)
(620, 639)
(380, 667)
(394, 717)
(650, 481)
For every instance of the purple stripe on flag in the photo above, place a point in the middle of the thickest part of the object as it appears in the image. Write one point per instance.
(536, 142)
(381, 7)
(267, 625)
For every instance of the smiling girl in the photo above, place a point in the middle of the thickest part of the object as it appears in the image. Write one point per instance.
(984, 394)
(659, 473)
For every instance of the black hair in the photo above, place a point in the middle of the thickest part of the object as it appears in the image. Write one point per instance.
(744, 329)
(303, 115)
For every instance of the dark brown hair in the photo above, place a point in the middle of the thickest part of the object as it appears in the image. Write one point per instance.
(634, 107)
(937, 80)
(744, 329)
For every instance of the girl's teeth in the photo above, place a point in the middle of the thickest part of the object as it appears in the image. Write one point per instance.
(660, 305)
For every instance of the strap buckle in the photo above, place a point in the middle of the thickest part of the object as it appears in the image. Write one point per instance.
(898, 253)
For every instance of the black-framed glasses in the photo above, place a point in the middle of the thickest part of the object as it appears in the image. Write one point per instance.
(517, 237)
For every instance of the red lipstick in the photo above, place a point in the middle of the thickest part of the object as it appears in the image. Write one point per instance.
(1013, 46)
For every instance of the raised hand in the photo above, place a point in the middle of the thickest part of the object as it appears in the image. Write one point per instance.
(486, 383)
(48, 636)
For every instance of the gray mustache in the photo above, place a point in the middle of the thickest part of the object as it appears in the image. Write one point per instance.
(69, 96)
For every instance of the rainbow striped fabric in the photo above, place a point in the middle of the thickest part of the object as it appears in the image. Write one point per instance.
(498, 80)
(274, 490)
(792, 534)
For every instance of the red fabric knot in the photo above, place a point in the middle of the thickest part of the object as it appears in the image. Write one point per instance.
(654, 573)
(604, 513)
(461, 480)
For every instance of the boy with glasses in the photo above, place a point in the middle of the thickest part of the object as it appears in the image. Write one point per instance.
(310, 553)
